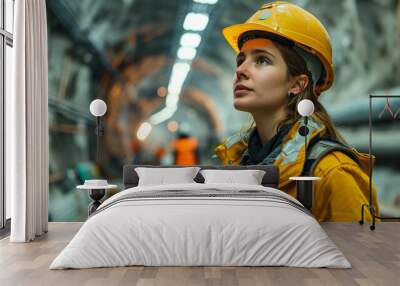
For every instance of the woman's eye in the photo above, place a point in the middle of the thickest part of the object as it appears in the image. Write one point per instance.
(239, 62)
(262, 60)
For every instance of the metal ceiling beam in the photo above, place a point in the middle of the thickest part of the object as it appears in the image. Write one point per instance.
(61, 10)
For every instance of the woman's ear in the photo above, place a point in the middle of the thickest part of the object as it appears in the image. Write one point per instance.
(300, 82)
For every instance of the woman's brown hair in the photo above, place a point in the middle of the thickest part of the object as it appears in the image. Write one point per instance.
(296, 65)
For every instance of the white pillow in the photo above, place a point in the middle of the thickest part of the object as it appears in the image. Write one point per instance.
(248, 177)
(163, 176)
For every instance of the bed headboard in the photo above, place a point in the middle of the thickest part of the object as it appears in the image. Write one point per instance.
(270, 179)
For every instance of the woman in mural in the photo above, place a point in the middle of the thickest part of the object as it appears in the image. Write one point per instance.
(284, 55)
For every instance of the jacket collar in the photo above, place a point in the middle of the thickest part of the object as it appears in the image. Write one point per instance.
(289, 156)
(266, 153)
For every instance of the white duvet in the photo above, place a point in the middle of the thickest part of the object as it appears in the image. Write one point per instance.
(183, 231)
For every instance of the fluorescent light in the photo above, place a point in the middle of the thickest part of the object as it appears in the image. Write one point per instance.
(174, 87)
(163, 115)
(206, 1)
(178, 76)
(172, 99)
(190, 40)
(180, 69)
(186, 53)
(143, 131)
(195, 21)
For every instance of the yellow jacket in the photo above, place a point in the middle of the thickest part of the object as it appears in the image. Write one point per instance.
(344, 184)
(342, 190)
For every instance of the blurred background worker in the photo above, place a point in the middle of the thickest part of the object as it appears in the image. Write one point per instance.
(185, 149)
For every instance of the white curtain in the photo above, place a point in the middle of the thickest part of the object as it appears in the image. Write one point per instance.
(26, 124)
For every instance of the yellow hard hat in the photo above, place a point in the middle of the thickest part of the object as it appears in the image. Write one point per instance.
(289, 21)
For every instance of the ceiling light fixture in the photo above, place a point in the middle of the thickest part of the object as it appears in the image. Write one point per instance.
(190, 40)
(195, 21)
(186, 53)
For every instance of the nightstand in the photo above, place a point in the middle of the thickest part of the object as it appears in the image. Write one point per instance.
(96, 190)
(305, 189)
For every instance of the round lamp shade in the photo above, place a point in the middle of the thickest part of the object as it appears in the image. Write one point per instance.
(305, 107)
(98, 107)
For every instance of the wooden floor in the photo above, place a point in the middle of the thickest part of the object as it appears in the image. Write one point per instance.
(375, 256)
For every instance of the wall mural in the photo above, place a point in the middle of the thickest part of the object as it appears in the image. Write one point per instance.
(124, 53)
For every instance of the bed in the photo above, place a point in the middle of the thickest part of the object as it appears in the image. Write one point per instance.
(201, 224)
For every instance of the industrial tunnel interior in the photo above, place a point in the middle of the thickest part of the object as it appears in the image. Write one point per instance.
(132, 53)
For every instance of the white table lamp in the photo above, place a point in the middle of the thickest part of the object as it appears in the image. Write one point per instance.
(98, 108)
(304, 183)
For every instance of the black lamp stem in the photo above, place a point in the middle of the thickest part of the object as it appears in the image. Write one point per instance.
(98, 123)
(305, 137)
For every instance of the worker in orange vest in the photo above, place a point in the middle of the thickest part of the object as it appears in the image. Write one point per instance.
(185, 150)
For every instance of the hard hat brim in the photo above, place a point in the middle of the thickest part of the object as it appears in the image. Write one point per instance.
(232, 33)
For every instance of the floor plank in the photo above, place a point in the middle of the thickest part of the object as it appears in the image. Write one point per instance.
(374, 255)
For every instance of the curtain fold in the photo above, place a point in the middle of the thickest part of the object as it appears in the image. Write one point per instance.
(28, 124)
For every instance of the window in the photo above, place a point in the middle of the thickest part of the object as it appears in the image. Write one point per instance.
(6, 65)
